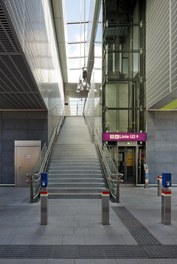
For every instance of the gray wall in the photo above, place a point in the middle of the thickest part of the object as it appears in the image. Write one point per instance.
(162, 144)
(14, 125)
(33, 24)
(161, 51)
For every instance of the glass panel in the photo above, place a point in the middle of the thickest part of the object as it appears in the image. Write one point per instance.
(97, 76)
(117, 95)
(76, 105)
(75, 13)
(98, 49)
(116, 120)
(117, 64)
(98, 63)
(75, 50)
(99, 33)
(136, 59)
(73, 76)
(75, 32)
(75, 63)
(135, 37)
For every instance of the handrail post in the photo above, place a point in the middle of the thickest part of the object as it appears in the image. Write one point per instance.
(30, 181)
(31, 189)
(159, 185)
(118, 192)
(119, 180)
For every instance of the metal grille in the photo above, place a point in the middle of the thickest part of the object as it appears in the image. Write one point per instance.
(117, 31)
(8, 42)
(137, 230)
(157, 50)
(173, 45)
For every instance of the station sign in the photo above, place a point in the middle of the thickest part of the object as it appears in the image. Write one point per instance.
(124, 136)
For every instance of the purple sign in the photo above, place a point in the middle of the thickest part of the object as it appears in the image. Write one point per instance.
(125, 136)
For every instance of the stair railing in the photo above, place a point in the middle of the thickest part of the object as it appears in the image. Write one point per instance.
(113, 177)
(33, 177)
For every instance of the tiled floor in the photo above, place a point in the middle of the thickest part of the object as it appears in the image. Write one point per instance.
(78, 222)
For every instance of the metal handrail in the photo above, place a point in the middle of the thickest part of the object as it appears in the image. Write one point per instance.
(33, 177)
(113, 177)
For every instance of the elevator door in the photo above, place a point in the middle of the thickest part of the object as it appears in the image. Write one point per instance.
(130, 163)
(127, 164)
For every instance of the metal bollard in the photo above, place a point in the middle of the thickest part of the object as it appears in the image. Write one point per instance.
(159, 185)
(105, 207)
(44, 206)
(166, 206)
(146, 184)
(146, 180)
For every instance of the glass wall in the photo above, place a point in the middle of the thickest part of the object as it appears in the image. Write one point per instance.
(122, 76)
(93, 106)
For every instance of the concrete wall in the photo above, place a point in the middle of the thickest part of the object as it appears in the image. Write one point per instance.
(162, 144)
(15, 125)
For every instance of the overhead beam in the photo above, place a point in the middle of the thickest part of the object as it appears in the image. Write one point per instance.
(58, 15)
(90, 60)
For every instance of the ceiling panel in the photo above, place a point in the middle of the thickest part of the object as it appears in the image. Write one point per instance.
(18, 89)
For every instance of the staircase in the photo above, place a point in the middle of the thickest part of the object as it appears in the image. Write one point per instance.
(74, 170)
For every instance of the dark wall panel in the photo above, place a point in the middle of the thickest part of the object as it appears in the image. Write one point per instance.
(16, 125)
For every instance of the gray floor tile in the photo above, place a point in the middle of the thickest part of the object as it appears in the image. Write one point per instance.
(60, 261)
(95, 261)
(73, 240)
(127, 261)
(102, 239)
(157, 261)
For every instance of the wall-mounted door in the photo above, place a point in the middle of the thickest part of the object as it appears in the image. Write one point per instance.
(26, 155)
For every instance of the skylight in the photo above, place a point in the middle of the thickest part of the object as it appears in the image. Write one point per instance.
(75, 35)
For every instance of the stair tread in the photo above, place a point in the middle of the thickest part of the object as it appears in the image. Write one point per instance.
(74, 166)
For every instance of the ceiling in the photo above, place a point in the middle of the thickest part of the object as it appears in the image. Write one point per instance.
(18, 90)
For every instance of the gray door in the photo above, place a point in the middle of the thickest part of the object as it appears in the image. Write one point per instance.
(25, 160)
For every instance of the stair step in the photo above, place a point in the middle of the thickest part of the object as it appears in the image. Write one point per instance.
(65, 180)
(75, 190)
(74, 195)
(76, 185)
(81, 176)
(70, 172)
(74, 164)
(75, 159)
(67, 171)
(75, 152)
(73, 167)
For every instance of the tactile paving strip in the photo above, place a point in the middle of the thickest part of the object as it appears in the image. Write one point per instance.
(87, 252)
(136, 229)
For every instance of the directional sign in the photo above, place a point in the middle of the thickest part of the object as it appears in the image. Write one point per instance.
(124, 136)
